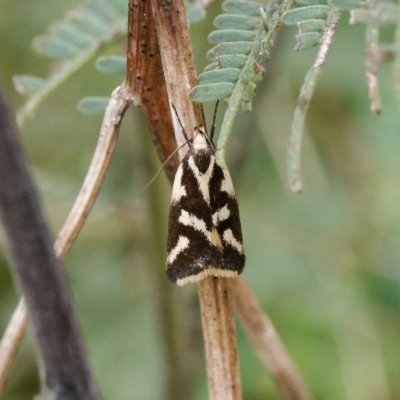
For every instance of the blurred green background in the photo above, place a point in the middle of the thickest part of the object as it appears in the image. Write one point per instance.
(324, 264)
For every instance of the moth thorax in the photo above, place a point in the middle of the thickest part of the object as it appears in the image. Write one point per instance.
(200, 141)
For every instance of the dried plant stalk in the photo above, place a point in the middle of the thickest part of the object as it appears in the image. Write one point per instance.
(267, 342)
(180, 77)
(220, 339)
(145, 80)
(179, 68)
(11, 342)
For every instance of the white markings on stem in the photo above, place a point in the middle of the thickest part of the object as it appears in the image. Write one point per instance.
(182, 244)
(221, 215)
(178, 190)
(203, 179)
(232, 241)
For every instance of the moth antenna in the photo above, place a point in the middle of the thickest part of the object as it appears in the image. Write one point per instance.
(210, 142)
(212, 130)
(180, 123)
(162, 167)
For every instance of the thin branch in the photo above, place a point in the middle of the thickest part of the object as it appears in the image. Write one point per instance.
(145, 80)
(67, 68)
(11, 342)
(306, 93)
(16, 329)
(179, 68)
(267, 342)
(180, 77)
(65, 369)
(220, 339)
(94, 179)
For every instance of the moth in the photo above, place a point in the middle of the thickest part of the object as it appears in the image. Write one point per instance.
(204, 234)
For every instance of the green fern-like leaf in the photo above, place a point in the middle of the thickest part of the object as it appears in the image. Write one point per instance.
(76, 40)
(194, 11)
(236, 40)
(242, 42)
(93, 105)
(310, 18)
(111, 65)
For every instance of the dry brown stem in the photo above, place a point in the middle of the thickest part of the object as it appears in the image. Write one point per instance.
(220, 339)
(215, 302)
(11, 342)
(177, 58)
(267, 342)
(145, 80)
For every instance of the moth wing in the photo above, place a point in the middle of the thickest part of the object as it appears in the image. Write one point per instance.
(194, 247)
(226, 219)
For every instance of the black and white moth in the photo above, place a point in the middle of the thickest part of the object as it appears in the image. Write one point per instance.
(204, 234)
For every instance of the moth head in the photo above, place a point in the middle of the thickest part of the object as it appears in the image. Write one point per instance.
(200, 141)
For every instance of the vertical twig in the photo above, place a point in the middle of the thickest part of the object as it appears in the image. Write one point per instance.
(180, 77)
(306, 93)
(65, 368)
(145, 79)
(179, 68)
(267, 342)
(220, 339)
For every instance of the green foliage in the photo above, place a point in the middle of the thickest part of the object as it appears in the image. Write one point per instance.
(93, 105)
(299, 14)
(239, 47)
(27, 84)
(80, 37)
(194, 11)
(111, 65)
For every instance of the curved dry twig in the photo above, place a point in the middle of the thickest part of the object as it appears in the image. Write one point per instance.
(17, 326)
(11, 341)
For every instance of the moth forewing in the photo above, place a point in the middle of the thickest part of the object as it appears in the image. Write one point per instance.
(204, 236)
